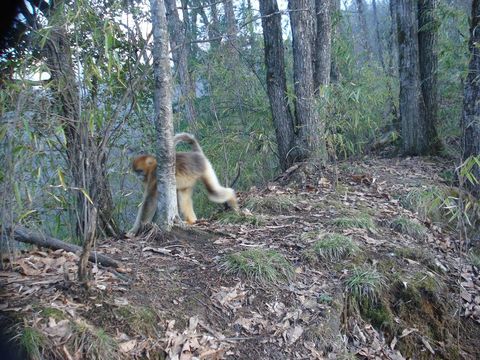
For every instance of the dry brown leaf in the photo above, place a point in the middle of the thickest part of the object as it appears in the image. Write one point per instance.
(127, 346)
(408, 331)
(291, 335)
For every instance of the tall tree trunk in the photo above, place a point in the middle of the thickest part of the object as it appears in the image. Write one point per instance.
(323, 43)
(334, 16)
(60, 63)
(276, 81)
(231, 23)
(210, 24)
(471, 103)
(162, 99)
(215, 22)
(364, 29)
(427, 43)
(412, 106)
(250, 26)
(311, 143)
(393, 43)
(180, 54)
(377, 36)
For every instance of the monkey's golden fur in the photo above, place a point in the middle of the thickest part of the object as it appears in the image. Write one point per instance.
(189, 167)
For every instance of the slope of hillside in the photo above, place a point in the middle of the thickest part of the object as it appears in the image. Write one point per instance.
(321, 264)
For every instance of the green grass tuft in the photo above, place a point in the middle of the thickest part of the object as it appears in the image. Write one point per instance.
(362, 222)
(271, 203)
(474, 259)
(334, 247)
(409, 227)
(266, 266)
(141, 320)
(32, 340)
(50, 312)
(364, 285)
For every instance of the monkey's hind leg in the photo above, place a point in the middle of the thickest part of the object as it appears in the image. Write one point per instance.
(186, 205)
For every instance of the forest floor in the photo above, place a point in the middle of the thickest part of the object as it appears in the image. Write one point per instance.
(395, 286)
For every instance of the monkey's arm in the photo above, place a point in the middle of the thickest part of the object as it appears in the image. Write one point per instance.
(145, 214)
(138, 222)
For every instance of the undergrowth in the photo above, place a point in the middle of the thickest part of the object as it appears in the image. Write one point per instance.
(243, 217)
(33, 341)
(271, 203)
(409, 227)
(265, 266)
(364, 285)
(360, 221)
(332, 247)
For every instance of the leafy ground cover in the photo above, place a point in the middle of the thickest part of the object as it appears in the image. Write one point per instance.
(386, 281)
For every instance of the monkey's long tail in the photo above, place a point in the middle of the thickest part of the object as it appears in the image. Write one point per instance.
(216, 192)
(189, 139)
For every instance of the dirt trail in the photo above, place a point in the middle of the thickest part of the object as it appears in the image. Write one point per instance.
(179, 300)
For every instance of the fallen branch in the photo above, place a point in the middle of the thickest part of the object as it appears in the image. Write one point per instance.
(26, 236)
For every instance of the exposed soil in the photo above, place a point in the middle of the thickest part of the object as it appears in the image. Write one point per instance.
(173, 297)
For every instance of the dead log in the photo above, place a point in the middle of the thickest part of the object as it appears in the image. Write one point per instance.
(27, 236)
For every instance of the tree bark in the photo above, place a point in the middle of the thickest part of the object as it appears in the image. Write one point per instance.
(334, 16)
(364, 29)
(212, 24)
(180, 52)
(231, 23)
(310, 142)
(167, 200)
(60, 63)
(412, 109)
(323, 43)
(377, 36)
(471, 103)
(26, 236)
(427, 43)
(393, 43)
(276, 81)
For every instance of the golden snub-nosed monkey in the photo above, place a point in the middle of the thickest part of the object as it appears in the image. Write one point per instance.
(189, 167)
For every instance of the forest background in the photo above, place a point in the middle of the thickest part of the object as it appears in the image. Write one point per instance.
(94, 60)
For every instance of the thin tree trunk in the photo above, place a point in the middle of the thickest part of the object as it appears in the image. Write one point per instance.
(88, 243)
(180, 52)
(427, 43)
(231, 23)
(310, 142)
(323, 43)
(412, 108)
(250, 26)
(215, 22)
(59, 60)
(334, 15)
(364, 29)
(162, 98)
(471, 103)
(276, 81)
(378, 37)
(210, 24)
